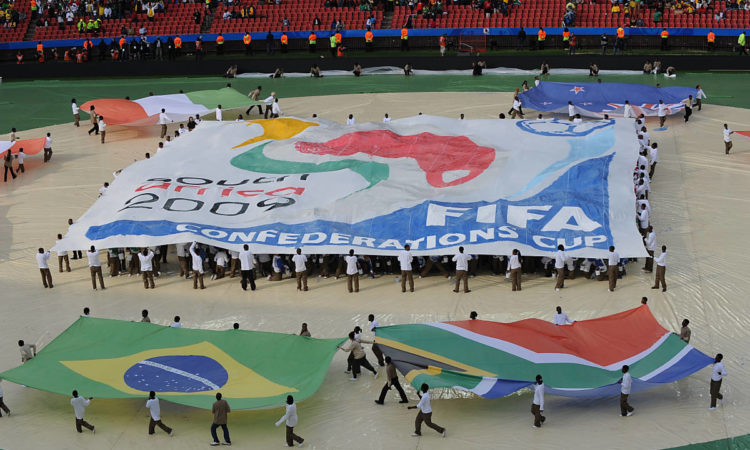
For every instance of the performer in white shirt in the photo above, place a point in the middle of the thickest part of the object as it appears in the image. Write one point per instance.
(717, 374)
(95, 267)
(626, 384)
(76, 114)
(643, 220)
(79, 407)
(269, 101)
(290, 418)
(47, 147)
(219, 114)
(41, 260)
(561, 318)
(560, 259)
(276, 109)
(300, 270)
(350, 120)
(662, 113)
(698, 96)
(387, 118)
(404, 259)
(352, 273)
(246, 268)
(613, 259)
(145, 257)
(654, 158)
(571, 111)
(727, 139)
(197, 266)
(661, 268)
(221, 259)
(425, 412)
(102, 127)
(514, 265)
(462, 266)
(628, 113)
(163, 119)
(650, 243)
(537, 406)
(154, 410)
(176, 323)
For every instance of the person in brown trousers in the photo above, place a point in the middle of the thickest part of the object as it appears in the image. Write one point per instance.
(514, 266)
(661, 268)
(613, 259)
(220, 409)
(41, 260)
(352, 272)
(62, 256)
(462, 266)
(95, 267)
(404, 259)
(425, 413)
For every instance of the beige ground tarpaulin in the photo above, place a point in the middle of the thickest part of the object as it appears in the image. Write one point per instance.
(700, 211)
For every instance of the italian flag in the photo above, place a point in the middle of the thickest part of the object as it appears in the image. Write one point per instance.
(178, 107)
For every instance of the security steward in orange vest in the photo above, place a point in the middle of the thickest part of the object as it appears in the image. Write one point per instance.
(404, 39)
(199, 48)
(247, 40)
(312, 42)
(368, 40)
(664, 39)
(711, 38)
(620, 41)
(87, 47)
(566, 37)
(541, 36)
(219, 44)
(338, 39)
(284, 42)
(40, 51)
(178, 45)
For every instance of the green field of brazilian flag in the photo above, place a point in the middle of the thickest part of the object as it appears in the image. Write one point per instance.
(116, 359)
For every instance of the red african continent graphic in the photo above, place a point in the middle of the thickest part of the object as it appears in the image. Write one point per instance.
(434, 154)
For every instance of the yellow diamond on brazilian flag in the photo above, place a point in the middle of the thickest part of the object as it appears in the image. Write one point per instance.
(116, 359)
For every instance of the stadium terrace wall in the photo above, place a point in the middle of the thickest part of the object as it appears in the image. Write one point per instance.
(677, 36)
(189, 66)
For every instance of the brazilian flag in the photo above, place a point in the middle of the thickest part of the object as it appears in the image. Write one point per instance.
(107, 358)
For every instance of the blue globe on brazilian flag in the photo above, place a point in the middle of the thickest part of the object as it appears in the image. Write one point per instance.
(106, 358)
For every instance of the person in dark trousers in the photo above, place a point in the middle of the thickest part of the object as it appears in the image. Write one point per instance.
(521, 39)
(3, 406)
(391, 381)
(94, 120)
(626, 384)
(425, 413)
(688, 108)
(220, 409)
(154, 410)
(718, 373)
(8, 163)
(79, 407)
(537, 406)
(246, 268)
(290, 417)
(360, 358)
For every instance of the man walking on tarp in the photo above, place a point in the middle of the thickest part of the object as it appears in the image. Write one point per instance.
(425, 413)
(391, 380)
(537, 406)
(626, 384)
(155, 410)
(220, 409)
(79, 407)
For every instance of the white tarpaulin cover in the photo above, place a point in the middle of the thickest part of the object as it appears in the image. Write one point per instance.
(435, 183)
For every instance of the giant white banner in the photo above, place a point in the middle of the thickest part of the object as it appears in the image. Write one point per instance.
(435, 183)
